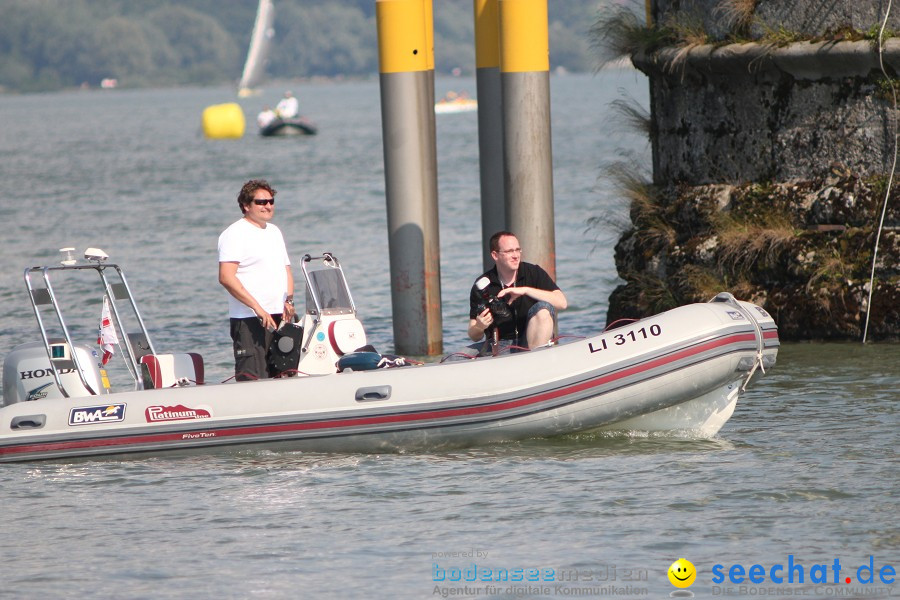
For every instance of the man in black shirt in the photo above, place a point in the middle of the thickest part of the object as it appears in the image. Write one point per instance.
(530, 292)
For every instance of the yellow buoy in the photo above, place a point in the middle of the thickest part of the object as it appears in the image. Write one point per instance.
(223, 121)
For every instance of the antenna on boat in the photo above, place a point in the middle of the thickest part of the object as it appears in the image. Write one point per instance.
(95, 255)
(68, 259)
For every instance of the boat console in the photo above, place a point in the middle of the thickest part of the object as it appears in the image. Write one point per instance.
(330, 324)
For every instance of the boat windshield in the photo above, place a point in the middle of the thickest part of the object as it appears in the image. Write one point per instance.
(329, 289)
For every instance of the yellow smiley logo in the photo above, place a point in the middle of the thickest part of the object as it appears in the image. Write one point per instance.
(682, 573)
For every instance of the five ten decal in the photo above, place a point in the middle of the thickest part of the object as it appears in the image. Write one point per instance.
(90, 415)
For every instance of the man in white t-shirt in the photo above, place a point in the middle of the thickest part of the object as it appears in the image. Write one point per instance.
(255, 269)
(265, 117)
(288, 107)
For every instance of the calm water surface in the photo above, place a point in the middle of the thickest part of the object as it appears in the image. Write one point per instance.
(806, 467)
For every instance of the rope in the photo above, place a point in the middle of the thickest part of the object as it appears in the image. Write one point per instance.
(887, 192)
(251, 376)
(290, 373)
(460, 354)
(619, 323)
(568, 335)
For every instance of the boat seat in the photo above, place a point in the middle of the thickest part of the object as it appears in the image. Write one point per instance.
(168, 370)
(346, 335)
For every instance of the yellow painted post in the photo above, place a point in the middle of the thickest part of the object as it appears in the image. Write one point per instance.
(406, 65)
(490, 122)
(527, 155)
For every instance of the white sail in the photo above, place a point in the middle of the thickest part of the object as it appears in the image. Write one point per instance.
(260, 42)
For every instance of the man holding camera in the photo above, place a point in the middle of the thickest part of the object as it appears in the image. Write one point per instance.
(530, 293)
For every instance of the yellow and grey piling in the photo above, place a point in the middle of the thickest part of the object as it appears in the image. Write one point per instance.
(527, 156)
(490, 122)
(406, 65)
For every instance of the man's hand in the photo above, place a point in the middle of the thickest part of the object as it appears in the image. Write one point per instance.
(511, 294)
(485, 319)
(266, 320)
(479, 324)
(289, 312)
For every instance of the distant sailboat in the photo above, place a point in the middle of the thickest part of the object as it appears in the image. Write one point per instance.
(258, 55)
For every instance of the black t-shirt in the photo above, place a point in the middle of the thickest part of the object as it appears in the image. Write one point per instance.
(528, 275)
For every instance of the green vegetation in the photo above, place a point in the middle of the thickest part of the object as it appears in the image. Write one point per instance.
(622, 31)
(53, 44)
(736, 15)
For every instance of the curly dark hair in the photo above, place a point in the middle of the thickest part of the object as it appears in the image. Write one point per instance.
(246, 196)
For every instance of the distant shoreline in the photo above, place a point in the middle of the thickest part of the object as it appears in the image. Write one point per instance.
(622, 63)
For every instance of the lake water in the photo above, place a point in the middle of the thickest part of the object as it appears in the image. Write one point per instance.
(805, 472)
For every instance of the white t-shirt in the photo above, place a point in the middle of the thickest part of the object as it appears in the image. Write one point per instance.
(265, 117)
(288, 107)
(262, 257)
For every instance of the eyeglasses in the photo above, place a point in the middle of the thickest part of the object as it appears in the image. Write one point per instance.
(264, 201)
(510, 251)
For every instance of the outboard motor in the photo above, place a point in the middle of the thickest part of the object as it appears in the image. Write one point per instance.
(27, 374)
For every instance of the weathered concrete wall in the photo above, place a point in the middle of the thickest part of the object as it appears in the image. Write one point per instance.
(802, 250)
(770, 167)
(749, 112)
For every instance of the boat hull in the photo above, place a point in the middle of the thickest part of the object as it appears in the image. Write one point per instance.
(288, 127)
(450, 107)
(673, 369)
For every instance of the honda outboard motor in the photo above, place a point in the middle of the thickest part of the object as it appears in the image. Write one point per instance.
(27, 374)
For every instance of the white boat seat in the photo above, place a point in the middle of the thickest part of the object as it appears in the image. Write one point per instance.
(169, 370)
(346, 335)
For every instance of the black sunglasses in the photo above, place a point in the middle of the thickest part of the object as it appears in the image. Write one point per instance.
(264, 201)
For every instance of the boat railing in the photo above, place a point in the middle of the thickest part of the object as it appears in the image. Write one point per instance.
(134, 344)
(758, 362)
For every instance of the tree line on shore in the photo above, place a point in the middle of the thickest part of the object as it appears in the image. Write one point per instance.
(54, 44)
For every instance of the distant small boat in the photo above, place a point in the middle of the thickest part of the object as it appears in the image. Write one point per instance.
(285, 127)
(258, 54)
(456, 105)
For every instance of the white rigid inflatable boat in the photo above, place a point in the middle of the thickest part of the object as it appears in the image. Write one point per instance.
(682, 370)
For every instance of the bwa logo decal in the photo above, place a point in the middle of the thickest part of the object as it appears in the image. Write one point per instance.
(91, 415)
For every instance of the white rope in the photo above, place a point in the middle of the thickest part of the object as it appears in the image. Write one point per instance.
(887, 192)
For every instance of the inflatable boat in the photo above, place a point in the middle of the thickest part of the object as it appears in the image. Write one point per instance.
(456, 105)
(285, 127)
(680, 371)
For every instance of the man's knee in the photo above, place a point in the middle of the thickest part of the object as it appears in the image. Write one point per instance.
(543, 316)
(541, 313)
